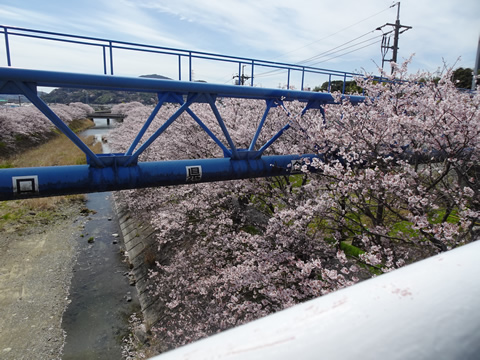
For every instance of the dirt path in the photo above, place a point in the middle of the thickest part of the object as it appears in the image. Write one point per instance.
(36, 262)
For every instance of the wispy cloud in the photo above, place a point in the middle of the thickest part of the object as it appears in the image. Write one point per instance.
(281, 30)
(13, 15)
(285, 30)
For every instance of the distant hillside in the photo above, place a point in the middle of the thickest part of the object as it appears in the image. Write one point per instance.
(155, 76)
(100, 97)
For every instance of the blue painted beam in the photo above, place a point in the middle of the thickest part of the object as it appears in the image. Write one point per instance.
(106, 82)
(78, 179)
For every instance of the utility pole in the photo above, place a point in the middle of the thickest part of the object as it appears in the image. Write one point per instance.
(242, 77)
(397, 30)
(475, 70)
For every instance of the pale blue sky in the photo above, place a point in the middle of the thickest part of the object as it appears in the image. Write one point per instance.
(289, 31)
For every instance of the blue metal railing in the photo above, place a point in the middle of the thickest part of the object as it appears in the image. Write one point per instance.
(125, 171)
(108, 48)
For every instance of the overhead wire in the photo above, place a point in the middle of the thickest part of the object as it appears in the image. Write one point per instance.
(370, 44)
(326, 54)
(331, 51)
(335, 33)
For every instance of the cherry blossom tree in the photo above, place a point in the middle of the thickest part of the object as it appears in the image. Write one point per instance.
(396, 180)
(27, 122)
(403, 167)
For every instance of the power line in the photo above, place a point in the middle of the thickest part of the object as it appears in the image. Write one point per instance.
(335, 33)
(349, 52)
(340, 47)
(334, 50)
(330, 52)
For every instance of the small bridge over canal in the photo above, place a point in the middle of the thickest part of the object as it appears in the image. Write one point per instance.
(106, 115)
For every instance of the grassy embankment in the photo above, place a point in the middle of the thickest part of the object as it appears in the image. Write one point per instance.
(15, 215)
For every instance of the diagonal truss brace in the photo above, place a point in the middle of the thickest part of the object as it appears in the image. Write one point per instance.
(233, 152)
(31, 94)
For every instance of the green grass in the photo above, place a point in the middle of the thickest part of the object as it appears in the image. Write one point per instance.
(350, 250)
(59, 150)
(252, 230)
(19, 214)
(404, 227)
(436, 217)
(15, 215)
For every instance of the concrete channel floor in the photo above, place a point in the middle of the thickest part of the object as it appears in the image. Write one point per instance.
(102, 298)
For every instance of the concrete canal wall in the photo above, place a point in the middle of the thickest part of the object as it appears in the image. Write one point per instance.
(141, 248)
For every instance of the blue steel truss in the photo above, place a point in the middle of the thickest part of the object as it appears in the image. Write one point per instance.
(108, 172)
